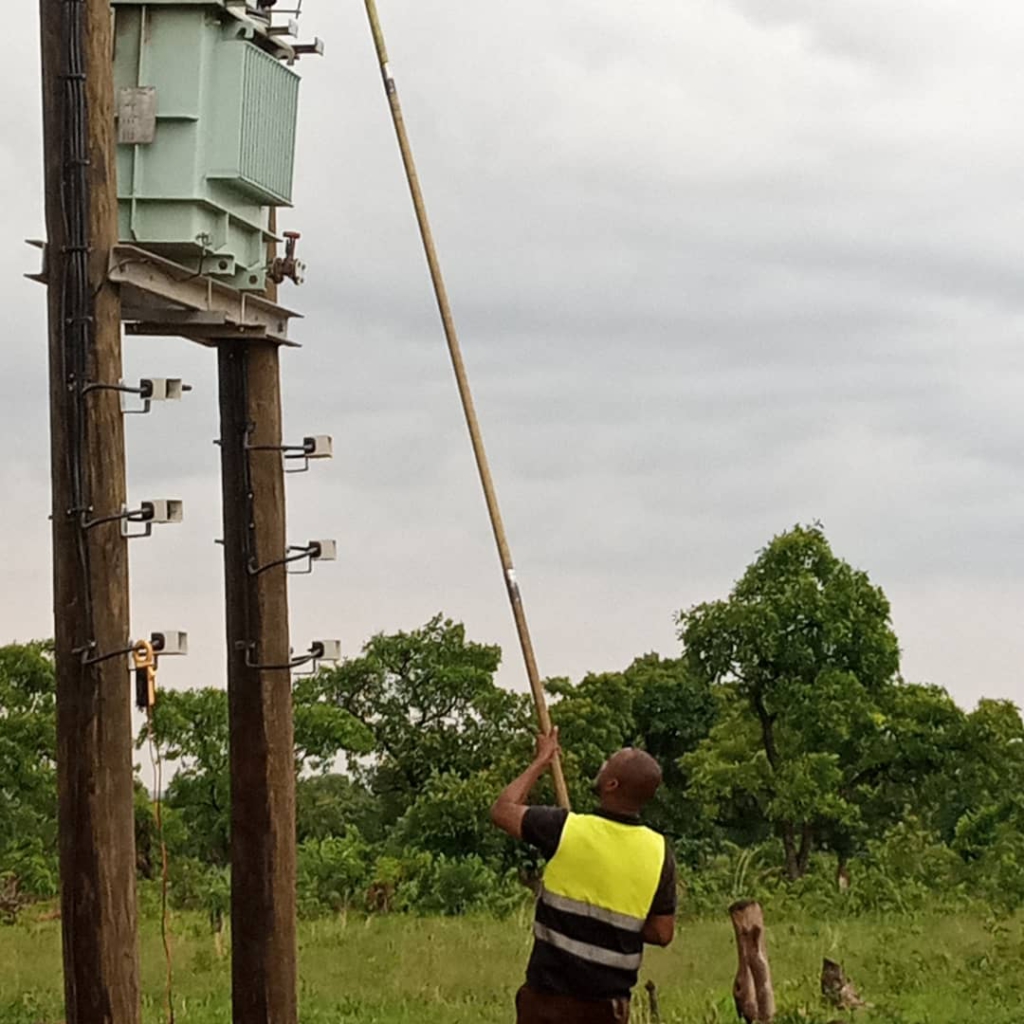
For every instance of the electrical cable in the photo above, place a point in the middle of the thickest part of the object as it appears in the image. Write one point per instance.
(158, 804)
(76, 301)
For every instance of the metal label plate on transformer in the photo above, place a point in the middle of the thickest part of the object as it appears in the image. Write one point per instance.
(136, 115)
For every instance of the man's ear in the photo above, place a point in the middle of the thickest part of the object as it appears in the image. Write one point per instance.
(611, 784)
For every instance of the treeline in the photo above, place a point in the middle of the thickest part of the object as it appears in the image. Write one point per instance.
(799, 765)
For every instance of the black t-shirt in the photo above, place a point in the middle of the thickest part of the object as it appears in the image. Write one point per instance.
(549, 970)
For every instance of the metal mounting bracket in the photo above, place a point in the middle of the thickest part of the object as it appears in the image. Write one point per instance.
(163, 298)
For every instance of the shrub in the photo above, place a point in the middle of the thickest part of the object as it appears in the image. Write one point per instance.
(999, 873)
(331, 872)
(906, 870)
(460, 885)
(30, 870)
(194, 885)
(419, 882)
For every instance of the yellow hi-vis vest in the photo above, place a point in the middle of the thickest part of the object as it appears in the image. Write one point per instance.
(598, 891)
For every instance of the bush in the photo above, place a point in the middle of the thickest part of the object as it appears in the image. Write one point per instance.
(457, 886)
(734, 873)
(331, 872)
(908, 870)
(396, 881)
(33, 867)
(905, 871)
(999, 873)
(450, 818)
(420, 882)
(194, 885)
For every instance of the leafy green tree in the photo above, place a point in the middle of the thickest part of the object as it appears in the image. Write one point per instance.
(674, 711)
(805, 647)
(783, 727)
(190, 727)
(904, 752)
(191, 731)
(656, 704)
(332, 872)
(594, 718)
(28, 767)
(334, 805)
(324, 731)
(958, 773)
(983, 772)
(450, 818)
(429, 701)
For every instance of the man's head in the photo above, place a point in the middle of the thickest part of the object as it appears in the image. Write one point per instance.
(627, 781)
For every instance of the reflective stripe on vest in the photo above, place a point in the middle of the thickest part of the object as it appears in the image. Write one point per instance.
(571, 906)
(598, 891)
(587, 951)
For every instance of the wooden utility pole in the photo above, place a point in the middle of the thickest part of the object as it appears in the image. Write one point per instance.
(263, 939)
(90, 565)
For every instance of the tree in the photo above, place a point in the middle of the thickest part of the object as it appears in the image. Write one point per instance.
(428, 700)
(982, 775)
(656, 704)
(335, 805)
(904, 752)
(805, 647)
(28, 765)
(450, 819)
(674, 711)
(594, 718)
(190, 728)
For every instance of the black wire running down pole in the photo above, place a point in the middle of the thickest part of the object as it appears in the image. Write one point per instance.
(454, 349)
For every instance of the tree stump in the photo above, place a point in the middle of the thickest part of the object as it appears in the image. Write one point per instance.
(12, 901)
(752, 990)
(652, 996)
(843, 877)
(837, 988)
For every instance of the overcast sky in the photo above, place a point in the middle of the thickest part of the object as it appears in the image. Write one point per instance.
(719, 266)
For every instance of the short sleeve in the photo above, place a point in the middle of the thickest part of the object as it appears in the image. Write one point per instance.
(666, 899)
(542, 828)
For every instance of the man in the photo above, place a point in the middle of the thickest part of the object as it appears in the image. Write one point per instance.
(609, 887)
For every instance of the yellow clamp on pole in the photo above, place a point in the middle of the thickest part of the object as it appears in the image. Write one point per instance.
(144, 659)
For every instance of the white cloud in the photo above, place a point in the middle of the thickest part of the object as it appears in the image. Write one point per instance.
(718, 268)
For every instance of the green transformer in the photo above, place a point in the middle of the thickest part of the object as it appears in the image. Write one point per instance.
(207, 103)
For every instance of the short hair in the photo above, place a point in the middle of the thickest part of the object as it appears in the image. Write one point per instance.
(638, 774)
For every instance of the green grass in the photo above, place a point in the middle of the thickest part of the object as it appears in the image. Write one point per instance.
(401, 970)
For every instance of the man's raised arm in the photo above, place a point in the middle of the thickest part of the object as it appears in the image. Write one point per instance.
(508, 810)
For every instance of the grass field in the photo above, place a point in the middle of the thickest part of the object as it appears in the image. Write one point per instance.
(402, 970)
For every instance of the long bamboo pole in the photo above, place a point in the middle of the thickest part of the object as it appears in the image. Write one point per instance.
(466, 395)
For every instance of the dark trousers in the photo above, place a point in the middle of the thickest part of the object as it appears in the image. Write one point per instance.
(544, 1008)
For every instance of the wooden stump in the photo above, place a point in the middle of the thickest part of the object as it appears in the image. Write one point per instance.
(837, 988)
(752, 990)
(652, 996)
(11, 900)
(843, 878)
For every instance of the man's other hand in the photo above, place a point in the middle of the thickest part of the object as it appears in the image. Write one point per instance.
(659, 930)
